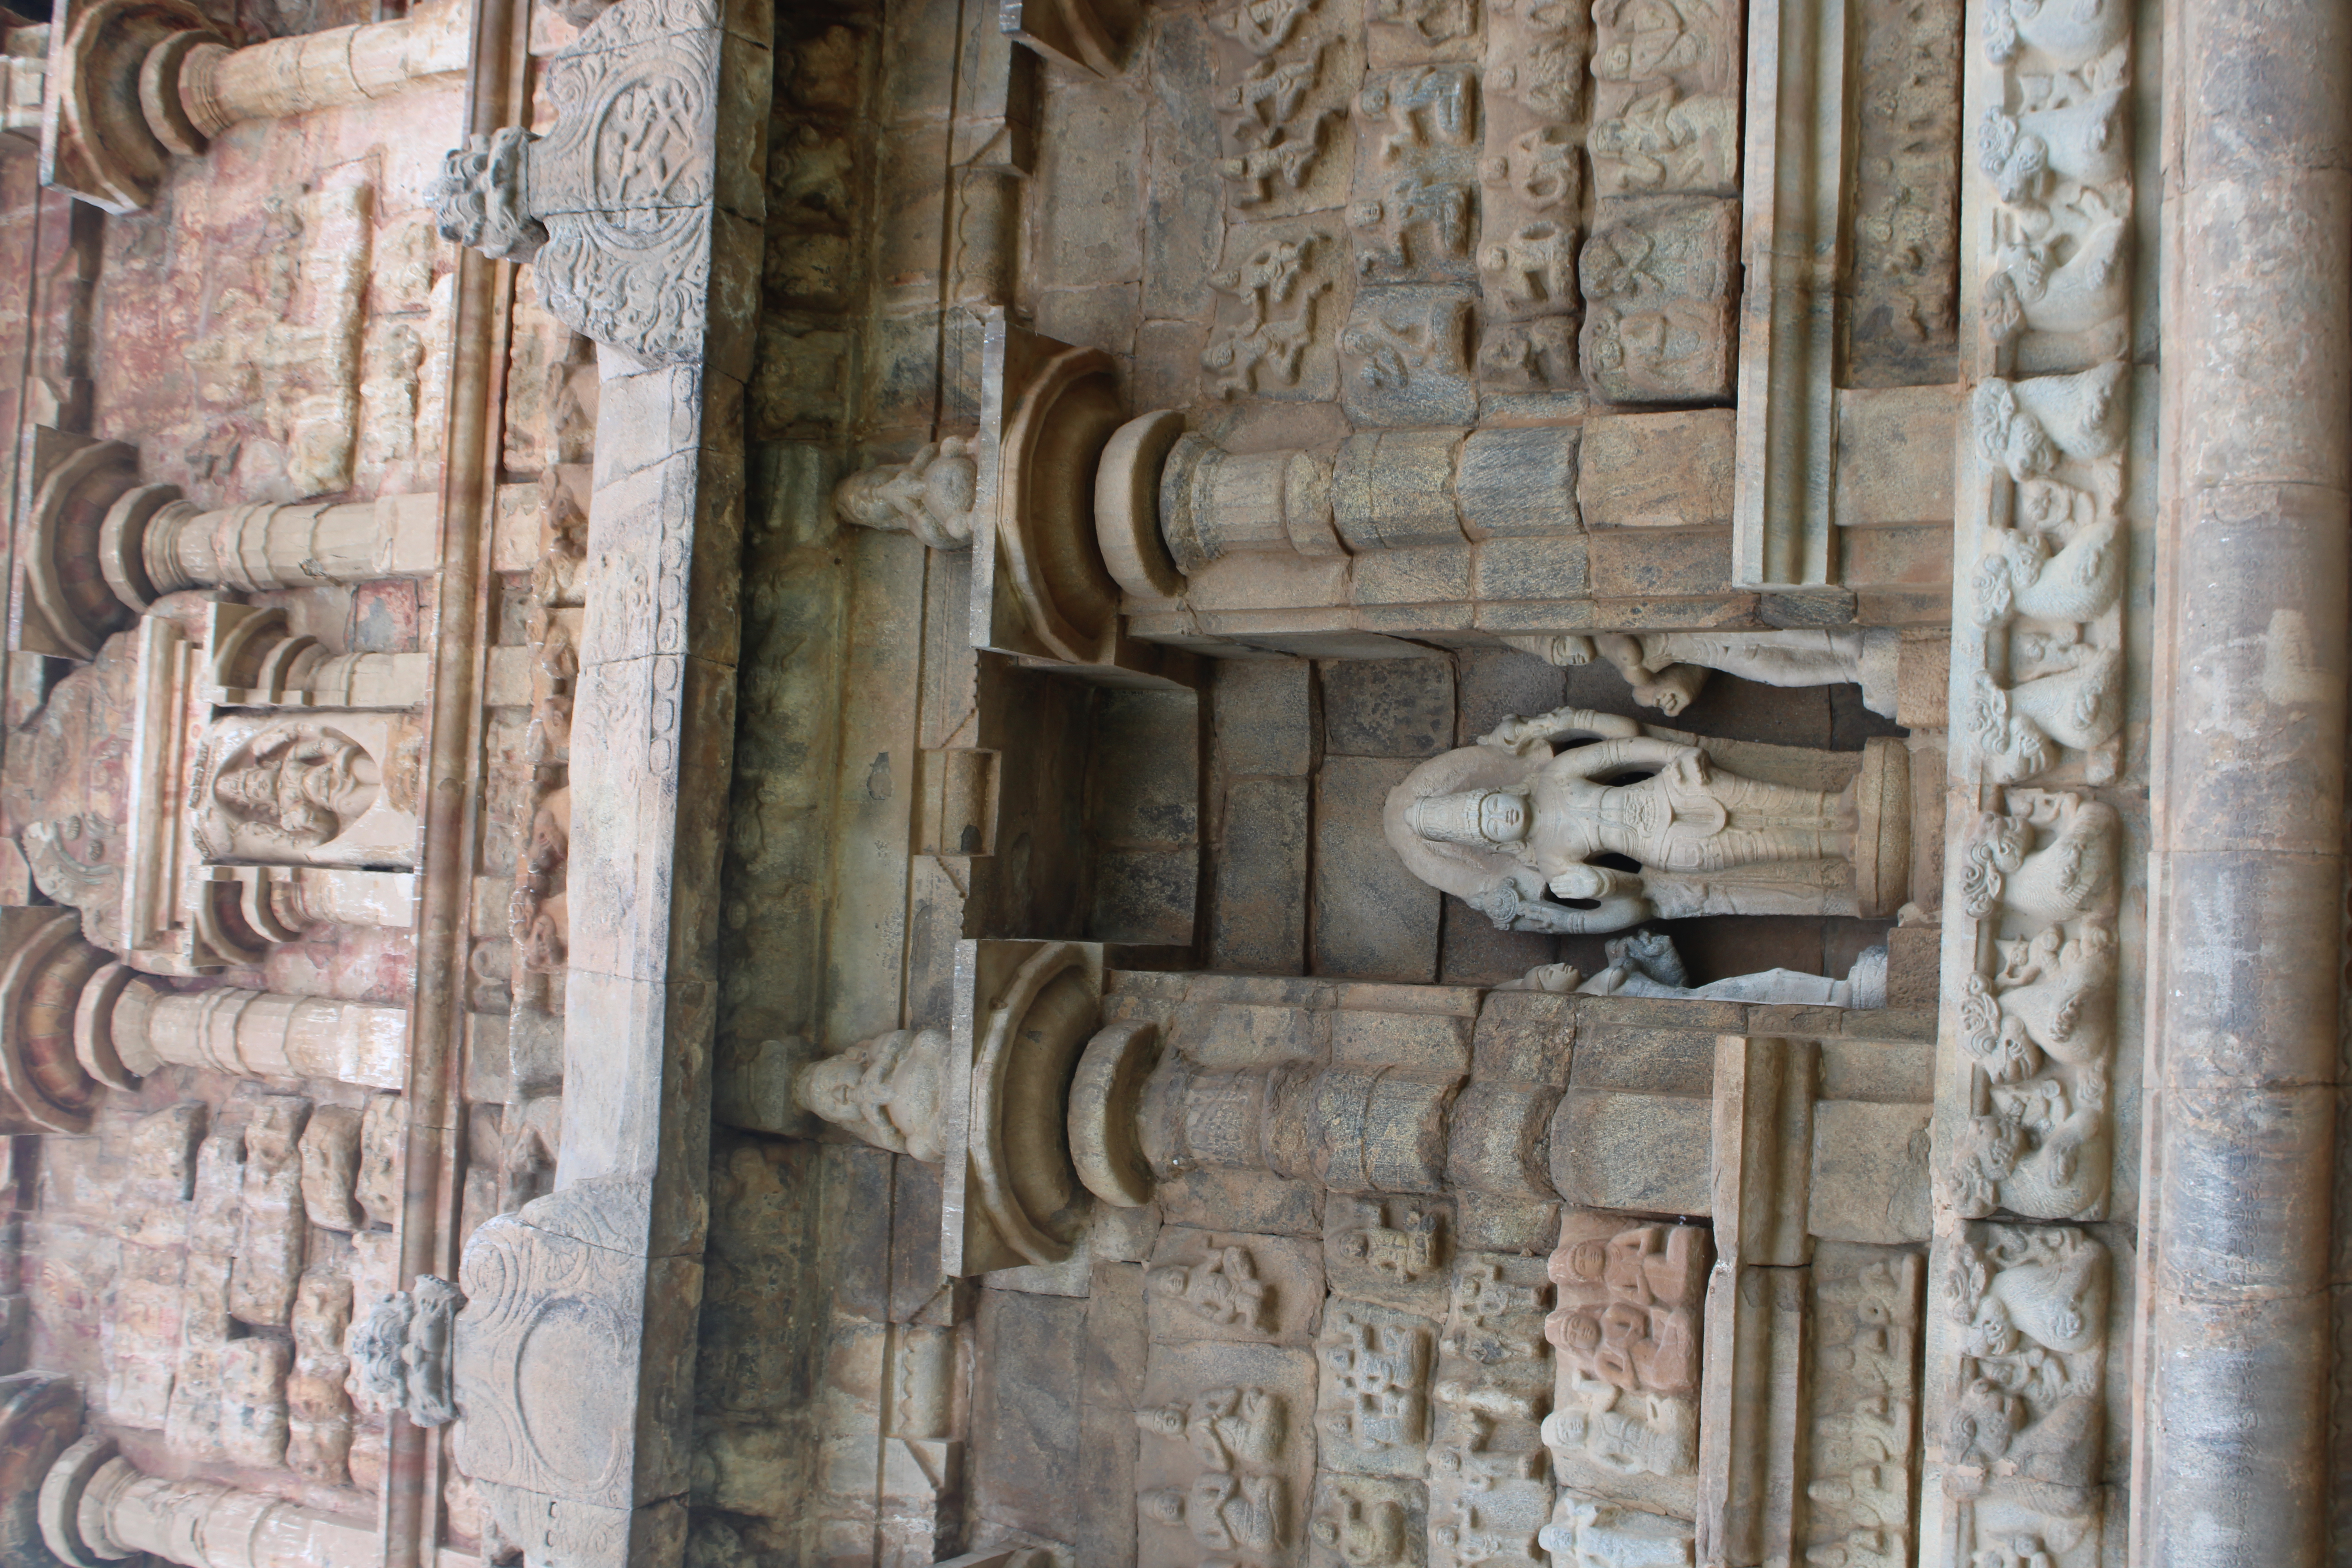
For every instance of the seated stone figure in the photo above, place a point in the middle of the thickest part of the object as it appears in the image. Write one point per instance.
(1646, 964)
(1504, 822)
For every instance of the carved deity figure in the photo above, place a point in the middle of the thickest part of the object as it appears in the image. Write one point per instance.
(303, 781)
(1651, 38)
(885, 1089)
(1410, 1249)
(930, 495)
(1223, 1289)
(1227, 1427)
(1225, 1512)
(299, 792)
(1504, 822)
(1632, 1434)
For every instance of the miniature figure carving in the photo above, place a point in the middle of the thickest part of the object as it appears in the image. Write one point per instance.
(1223, 1289)
(1365, 1534)
(930, 495)
(2039, 1149)
(1225, 1512)
(1585, 1534)
(1410, 1251)
(1227, 1427)
(1379, 1374)
(1501, 823)
(1627, 1332)
(1646, 964)
(885, 1089)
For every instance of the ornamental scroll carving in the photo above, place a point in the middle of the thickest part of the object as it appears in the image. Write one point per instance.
(617, 208)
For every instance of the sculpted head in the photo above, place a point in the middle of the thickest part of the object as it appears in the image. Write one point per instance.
(1162, 1505)
(1483, 818)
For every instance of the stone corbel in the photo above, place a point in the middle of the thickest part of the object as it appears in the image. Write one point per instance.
(135, 81)
(968, 1099)
(639, 235)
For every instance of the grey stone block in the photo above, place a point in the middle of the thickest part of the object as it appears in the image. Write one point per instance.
(1374, 920)
(1388, 708)
(1257, 913)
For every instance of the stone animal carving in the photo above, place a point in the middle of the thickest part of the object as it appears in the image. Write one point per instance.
(2069, 874)
(2053, 994)
(2081, 581)
(2040, 1151)
(2070, 32)
(930, 495)
(2017, 728)
(2023, 1289)
(2027, 427)
(2039, 287)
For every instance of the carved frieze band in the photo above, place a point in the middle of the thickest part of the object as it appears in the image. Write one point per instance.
(2028, 1100)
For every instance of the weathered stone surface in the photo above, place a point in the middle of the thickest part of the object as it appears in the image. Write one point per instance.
(1373, 919)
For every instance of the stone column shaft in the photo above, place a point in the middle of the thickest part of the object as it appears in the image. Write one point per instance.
(202, 1525)
(220, 86)
(257, 548)
(261, 1034)
(2246, 918)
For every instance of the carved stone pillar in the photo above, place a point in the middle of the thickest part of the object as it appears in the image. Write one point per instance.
(95, 1508)
(138, 1026)
(2244, 1042)
(154, 544)
(1168, 504)
(138, 80)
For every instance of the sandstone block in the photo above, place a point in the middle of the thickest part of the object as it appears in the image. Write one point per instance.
(1518, 481)
(1671, 470)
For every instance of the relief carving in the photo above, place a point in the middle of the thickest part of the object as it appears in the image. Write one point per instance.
(1222, 1513)
(1223, 1290)
(1265, 318)
(1405, 357)
(2024, 1443)
(1588, 1534)
(1229, 1428)
(1288, 75)
(1666, 112)
(1660, 280)
(1372, 1405)
(1230, 1472)
(1865, 1436)
(1363, 1524)
(1627, 1337)
(885, 1089)
(930, 495)
(298, 792)
(1394, 1251)
(400, 1352)
(1904, 325)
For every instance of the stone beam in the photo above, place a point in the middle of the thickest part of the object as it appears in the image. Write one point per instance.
(96, 1509)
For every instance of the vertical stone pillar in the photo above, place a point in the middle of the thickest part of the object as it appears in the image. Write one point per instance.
(95, 1508)
(250, 1034)
(2249, 697)
(154, 544)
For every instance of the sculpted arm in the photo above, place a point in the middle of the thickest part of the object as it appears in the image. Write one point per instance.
(1510, 910)
(1521, 736)
(1609, 756)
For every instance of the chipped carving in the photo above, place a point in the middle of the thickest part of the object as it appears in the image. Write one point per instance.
(1265, 320)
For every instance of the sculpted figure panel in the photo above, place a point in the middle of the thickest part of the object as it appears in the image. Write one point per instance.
(1373, 1402)
(302, 793)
